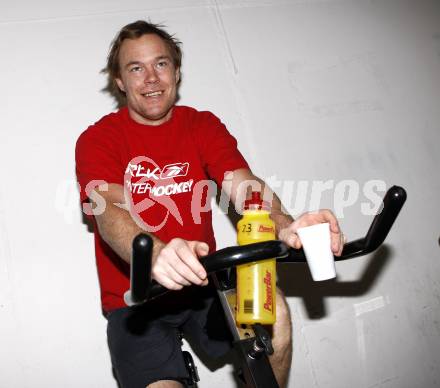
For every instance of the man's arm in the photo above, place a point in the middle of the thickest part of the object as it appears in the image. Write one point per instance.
(238, 184)
(174, 265)
(115, 225)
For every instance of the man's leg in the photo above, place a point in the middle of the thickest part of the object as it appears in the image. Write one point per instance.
(166, 384)
(146, 350)
(282, 341)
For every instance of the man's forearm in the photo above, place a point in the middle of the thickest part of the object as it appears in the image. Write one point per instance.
(174, 265)
(117, 227)
(238, 189)
(279, 216)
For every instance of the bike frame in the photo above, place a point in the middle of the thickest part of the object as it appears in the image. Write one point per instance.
(251, 343)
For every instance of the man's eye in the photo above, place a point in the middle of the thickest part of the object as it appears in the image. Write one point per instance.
(162, 64)
(135, 69)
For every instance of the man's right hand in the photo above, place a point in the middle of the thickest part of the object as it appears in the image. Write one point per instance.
(174, 265)
(177, 264)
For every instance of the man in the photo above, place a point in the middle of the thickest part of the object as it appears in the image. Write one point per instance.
(161, 155)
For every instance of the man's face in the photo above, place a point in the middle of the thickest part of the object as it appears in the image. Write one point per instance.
(149, 79)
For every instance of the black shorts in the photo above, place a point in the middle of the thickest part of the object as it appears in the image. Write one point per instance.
(145, 343)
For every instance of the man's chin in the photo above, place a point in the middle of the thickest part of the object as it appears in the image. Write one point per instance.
(153, 116)
(157, 116)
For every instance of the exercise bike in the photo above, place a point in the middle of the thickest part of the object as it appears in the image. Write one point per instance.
(252, 343)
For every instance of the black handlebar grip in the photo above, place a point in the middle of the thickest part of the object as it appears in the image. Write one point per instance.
(380, 227)
(140, 272)
(382, 223)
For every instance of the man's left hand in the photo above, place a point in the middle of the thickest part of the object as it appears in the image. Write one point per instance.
(290, 237)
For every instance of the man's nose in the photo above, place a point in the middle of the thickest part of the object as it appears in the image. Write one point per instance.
(151, 75)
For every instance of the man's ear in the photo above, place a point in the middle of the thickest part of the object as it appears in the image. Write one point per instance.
(120, 84)
(177, 75)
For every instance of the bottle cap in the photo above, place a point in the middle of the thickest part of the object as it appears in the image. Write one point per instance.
(256, 203)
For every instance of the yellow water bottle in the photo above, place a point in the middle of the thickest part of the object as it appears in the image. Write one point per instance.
(256, 282)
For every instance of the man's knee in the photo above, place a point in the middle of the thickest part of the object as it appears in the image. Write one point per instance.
(282, 329)
(283, 312)
(165, 384)
(281, 360)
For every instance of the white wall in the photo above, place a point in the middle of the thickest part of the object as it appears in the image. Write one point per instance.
(313, 90)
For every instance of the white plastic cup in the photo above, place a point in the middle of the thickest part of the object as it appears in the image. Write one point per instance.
(316, 243)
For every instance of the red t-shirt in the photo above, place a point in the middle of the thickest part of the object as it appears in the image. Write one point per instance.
(165, 169)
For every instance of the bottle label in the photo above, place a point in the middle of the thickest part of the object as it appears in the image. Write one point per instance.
(266, 229)
(268, 304)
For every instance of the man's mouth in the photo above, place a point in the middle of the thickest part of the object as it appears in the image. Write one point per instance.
(153, 94)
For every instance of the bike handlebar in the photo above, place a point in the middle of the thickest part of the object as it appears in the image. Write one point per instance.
(142, 290)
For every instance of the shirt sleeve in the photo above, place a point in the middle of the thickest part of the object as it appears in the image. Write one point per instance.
(97, 159)
(219, 150)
